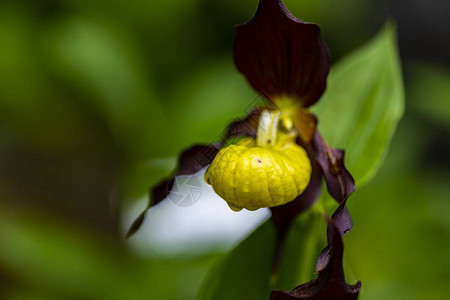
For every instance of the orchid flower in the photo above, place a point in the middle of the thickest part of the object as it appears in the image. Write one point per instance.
(275, 157)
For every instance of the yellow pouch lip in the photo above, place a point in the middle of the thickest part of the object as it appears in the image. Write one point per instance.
(251, 177)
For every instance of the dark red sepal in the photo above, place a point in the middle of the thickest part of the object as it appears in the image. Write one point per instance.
(190, 161)
(340, 182)
(330, 284)
(245, 127)
(344, 223)
(340, 185)
(281, 55)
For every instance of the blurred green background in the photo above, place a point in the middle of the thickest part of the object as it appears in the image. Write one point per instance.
(97, 98)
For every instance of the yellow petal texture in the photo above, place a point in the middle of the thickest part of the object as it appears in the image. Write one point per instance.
(252, 177)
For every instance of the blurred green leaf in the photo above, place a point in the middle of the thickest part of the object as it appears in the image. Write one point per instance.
(428, 92)
(399, 248)
(244, 273)
(208, 100)
(30, 108)
(54, 260)
(196, 114)
(98, 61)
(359, 113)
(363, 103)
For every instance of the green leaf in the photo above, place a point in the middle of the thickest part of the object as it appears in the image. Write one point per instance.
(32, 111)
(428, 93)
(363, 103)
(244, 273)
(359, 113)
(102, 64)
(206, 102)
(48, 258)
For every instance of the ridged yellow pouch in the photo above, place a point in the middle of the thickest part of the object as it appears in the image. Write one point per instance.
(249, 176)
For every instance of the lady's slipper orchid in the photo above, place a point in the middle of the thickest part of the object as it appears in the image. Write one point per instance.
(281, 157)
(269, 171)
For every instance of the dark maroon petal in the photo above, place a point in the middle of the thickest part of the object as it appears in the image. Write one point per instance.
(281, 55)
(342, 218)
(340, 182)
(330, 284)
(196, 158)
(323, 259)
(245, 127)
(283, 215)
(344, 223)
(190, 161)
(340, 185)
